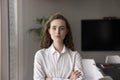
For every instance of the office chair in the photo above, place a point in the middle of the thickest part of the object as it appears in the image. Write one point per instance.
(112, 59)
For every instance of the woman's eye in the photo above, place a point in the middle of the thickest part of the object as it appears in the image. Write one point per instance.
(62, 28)
(54, 28)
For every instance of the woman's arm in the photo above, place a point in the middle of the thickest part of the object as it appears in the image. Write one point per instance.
(74, 75)
(78, 66)
(39, 73)
(77, 73)
(56, 79)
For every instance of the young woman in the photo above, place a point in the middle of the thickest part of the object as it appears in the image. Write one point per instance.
(57, 60)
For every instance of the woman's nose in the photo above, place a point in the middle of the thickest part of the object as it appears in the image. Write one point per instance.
(58, 31)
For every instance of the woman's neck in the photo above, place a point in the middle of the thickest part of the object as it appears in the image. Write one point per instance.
(58, 46)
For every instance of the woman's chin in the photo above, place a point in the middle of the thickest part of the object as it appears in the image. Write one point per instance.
(58, 40)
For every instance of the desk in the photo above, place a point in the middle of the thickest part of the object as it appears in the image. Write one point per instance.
(112, 70)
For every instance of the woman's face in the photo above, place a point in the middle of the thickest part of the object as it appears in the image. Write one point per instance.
(58, 30)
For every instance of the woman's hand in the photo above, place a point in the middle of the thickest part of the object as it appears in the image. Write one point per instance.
(74, 75)
(49, 78)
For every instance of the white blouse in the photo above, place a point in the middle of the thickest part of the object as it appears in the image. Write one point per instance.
(50, 63)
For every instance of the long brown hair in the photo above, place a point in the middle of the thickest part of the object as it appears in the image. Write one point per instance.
(46, 40)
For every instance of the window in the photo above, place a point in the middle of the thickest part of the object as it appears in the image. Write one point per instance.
(9, 59)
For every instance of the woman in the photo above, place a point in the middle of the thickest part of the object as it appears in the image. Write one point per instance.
(57, 60)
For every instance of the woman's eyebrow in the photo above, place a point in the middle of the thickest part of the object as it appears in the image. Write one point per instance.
(59, 26)
(62, 26)
(54, 26)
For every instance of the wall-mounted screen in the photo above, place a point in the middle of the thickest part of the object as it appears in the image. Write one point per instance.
(100, 35)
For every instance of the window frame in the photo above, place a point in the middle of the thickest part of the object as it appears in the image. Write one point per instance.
(0, 39)
(4, 40)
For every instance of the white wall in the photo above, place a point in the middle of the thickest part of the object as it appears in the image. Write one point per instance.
(74, 11)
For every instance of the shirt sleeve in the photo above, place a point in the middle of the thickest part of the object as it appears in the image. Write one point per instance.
(78, 65)
(59, 79)
(39, 73)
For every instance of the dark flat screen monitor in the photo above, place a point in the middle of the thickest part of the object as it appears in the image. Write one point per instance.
(100, 35)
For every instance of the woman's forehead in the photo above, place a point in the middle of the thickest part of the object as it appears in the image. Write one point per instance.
(58, 22)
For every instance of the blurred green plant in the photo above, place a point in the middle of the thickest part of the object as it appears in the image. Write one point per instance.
(41, 22)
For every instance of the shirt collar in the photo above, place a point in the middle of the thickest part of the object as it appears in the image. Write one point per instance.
(52, 49)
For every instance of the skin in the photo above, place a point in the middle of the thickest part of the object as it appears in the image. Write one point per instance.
(58, 32)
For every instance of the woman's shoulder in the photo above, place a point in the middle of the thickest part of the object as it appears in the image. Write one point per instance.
(40, 52)
(73, 52)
